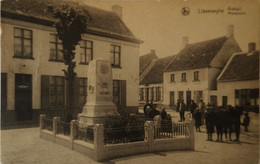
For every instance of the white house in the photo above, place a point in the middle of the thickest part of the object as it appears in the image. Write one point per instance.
(32, 77)
(238, 83)
(151, 81)
(192, 74)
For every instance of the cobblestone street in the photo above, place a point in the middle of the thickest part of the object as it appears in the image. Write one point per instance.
(24, 146)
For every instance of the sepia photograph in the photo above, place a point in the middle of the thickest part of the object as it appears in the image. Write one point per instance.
(130, 81)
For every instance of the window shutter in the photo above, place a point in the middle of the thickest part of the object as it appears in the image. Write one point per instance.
(76, 92)
(3, 91)
(123, 93)
(45, 91)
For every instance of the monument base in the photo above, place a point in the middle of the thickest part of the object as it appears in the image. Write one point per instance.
(96, 114)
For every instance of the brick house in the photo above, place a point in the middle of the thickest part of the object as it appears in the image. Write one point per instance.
(192, 74)
(32, 77)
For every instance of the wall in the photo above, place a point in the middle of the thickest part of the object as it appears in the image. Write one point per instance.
(190, 85)
(228, 89)
(41, 65)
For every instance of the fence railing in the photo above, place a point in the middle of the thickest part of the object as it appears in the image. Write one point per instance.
(124, 135)
(63, 128)
(85, 134)
(168, 129)
(48, 123)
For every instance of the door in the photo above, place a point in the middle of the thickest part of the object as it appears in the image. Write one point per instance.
(224, 100)
(172, 99)
(188, 99)
(23, 96)
(213, 99)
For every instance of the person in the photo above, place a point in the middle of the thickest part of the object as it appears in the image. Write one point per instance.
(163, 114)
(182, 109)
(201, 107)
(193, 107)
(236, 122)
(197, 117)
(209, 118)
(153, 112)
(178, 105)
(246, 121)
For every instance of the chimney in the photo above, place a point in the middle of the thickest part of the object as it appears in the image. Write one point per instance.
(251, 47)
(230, 30)
(152, 51)
(185, 41)
(117, 10)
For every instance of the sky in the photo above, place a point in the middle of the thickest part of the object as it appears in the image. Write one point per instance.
(161, 24)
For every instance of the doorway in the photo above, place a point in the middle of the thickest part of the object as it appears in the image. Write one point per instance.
(23, 97)
(188, 99)
(172, 99)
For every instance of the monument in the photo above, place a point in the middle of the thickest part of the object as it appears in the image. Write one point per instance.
(100, 94)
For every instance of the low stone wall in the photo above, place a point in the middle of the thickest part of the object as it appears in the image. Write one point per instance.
(100, 151)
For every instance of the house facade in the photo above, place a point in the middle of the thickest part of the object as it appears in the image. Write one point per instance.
(151, 82)
(238, 83)
(31, 70)
(192, 75)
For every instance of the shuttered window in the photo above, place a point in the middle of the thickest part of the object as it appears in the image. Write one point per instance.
(3, 91)
(119, 92)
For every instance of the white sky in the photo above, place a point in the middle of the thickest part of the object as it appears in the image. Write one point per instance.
(161, 25)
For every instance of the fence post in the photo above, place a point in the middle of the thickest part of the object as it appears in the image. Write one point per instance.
(98, 141)
(73, 132)
(55, 127)
(149, 135)
(42, 117)
(192, 134)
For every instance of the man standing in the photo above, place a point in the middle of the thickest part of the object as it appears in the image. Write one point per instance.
(182, 109)
(193, 106)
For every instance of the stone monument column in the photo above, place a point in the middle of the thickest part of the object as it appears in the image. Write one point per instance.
(100, 94)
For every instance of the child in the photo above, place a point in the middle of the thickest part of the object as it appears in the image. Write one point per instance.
(246, 122)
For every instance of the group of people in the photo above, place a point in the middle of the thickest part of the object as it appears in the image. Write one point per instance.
(225, 119)
(150, 112)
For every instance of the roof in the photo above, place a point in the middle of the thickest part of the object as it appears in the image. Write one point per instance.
(145, 60)
(155, 74)
(197, 55)
(101, 22)
(242, 66)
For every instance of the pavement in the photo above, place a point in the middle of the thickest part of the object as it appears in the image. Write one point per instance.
(23, 146)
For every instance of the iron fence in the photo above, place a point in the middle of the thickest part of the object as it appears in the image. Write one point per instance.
(167, 129)
(48, 124)
(180, 129)
(63, 128)
(85, 134)
(123, 135)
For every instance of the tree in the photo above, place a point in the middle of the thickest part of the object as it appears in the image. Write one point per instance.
(70, 25)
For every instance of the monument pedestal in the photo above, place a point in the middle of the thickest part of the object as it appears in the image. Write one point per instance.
(100, 99)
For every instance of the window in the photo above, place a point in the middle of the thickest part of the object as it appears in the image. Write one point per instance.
(86, 51)
(183, 77)
(180, 95)
(196, 76)
(172, 78)
(56, 48)
(116, 91)
(247, 97)
(22, 43)
(57, 95)
(141, 94)
(115, 52)
(158, 93)
(83, 84)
